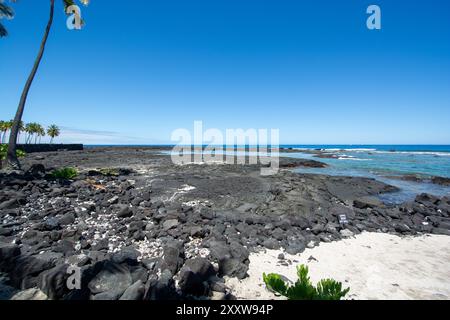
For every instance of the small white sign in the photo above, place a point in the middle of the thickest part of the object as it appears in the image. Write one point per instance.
(342, 219)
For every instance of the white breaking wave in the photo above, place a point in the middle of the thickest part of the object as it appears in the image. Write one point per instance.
(350, 150)
(429, 153)
(353, 158)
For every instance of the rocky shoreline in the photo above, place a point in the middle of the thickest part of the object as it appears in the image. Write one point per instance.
(139, 227)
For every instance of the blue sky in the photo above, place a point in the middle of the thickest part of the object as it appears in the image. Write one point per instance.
(309, 68)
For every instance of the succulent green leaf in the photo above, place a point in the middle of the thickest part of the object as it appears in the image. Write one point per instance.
(275, 283)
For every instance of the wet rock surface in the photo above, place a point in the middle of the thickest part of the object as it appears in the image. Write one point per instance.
(135, 226)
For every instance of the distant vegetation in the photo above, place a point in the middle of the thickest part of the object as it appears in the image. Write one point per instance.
(65, 173)
(30, 133)
(303, 289)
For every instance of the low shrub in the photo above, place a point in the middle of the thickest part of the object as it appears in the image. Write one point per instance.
(303, 289)
(64, 173)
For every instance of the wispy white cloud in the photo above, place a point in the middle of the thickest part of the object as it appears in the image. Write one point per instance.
(73, 135)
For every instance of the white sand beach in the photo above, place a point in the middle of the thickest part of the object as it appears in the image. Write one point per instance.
(373, 265)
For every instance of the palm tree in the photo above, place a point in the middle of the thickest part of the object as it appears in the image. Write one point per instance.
(6, 126)
(41, 132)
(32, 129)
(11, 158)
(38, 131)
(21, 129)
(29, 132)
(2, 130)
(5, 12)
(53, 131)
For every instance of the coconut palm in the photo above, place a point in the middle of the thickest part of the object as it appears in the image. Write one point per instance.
(21, 129)
(2, 130)
(40, 132)
(29, 132)
(32, 130)
(11, 158)
(5, 12)
(9, 125)
(6, 126)
(53, 131)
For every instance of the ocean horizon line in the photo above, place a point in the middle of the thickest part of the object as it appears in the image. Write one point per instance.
(335, 147)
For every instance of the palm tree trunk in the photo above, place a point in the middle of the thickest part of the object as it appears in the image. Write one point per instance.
(11, 158)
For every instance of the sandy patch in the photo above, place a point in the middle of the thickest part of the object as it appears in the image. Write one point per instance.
(373, 265)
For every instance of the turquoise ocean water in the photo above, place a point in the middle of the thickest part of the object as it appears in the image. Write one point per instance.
(384, 160)
(386, 163)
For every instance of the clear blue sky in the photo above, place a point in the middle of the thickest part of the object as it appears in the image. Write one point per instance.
(140, 69)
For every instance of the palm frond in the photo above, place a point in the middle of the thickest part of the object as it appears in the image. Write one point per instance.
(6, 11)
(68, 3)
(3, 32)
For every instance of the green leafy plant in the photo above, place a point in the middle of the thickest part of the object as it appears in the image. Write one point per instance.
(329, 289)
(303, 289)
(65, 173)
(4, 150)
